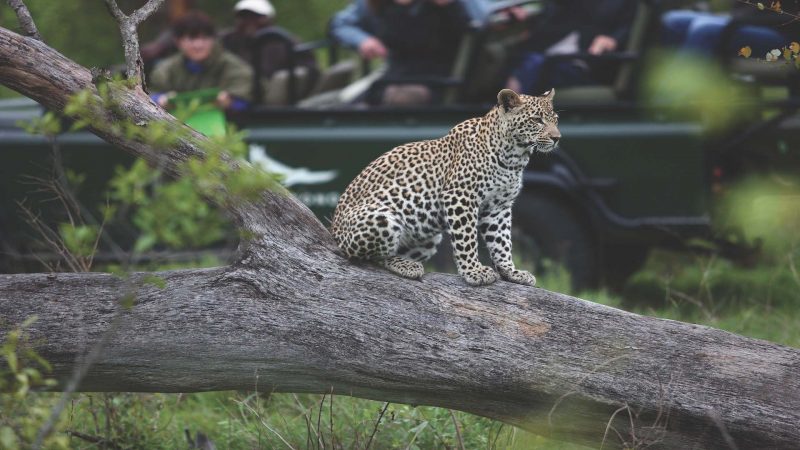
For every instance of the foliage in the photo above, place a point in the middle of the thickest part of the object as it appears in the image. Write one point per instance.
(761, 300)
(171, 213)
(692, 87)
(174, 213)
(765, 212)
(242, 420)
(790, 53)
(23, 371)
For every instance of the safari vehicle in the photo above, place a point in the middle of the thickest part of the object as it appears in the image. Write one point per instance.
(628, 176)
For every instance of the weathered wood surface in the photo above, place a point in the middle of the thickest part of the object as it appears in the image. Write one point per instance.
(291, 315)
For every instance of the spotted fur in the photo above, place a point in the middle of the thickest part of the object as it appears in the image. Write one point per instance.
(464, 183)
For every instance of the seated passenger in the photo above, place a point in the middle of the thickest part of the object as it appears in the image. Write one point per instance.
(418, 38)
(202, 64)
(699, 32)
(567, 27)
(252, 17)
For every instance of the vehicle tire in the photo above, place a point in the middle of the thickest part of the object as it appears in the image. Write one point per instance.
(548, 235)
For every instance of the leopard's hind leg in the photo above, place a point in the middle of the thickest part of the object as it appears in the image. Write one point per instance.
(377, 235)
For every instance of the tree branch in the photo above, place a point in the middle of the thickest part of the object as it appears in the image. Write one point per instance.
(25, 19)
(130, 39)
(115, 11)
(299, 317)
(141, 14)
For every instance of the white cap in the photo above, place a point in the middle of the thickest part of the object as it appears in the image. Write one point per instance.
(263, 7)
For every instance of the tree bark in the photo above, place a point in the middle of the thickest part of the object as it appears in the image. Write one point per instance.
(292, 315)
(24, 18)
(128, 25)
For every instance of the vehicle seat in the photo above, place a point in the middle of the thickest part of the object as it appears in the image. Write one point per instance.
(335, 77)
(287, 85)
(623, 86)
(277, 90)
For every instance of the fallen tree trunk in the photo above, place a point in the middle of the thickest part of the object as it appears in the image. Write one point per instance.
(291, 315)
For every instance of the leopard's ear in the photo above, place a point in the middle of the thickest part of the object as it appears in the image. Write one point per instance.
(508, 100)
(550, 94)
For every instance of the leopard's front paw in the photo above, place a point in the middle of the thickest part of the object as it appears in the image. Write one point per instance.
(404, 267)
(481, 276)
(520, 277)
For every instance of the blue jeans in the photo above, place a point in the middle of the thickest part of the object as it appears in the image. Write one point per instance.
(699, 33)
(532, 78)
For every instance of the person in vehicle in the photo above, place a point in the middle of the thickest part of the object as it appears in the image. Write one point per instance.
(258, 16)
(200, 64)
(566, 27)
(699, 32)
(417, 37)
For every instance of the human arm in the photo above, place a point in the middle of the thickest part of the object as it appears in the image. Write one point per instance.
(161, 89)
(351, 26)
(478, 10)
(236, 84)
(615, 23)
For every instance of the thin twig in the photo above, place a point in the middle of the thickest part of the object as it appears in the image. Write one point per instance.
(130, 40)
(330, 417)
(496, 437)
(779, 10)
(141, 14)
(573, 392)
(321, 435)
(793, 268)
(608, 425)
(717, 419)
(113, 8)
(377, 423)
(458, 430)
(77, 376)
(25, 19)
(102, 442)
(309, 424)
(266, 425)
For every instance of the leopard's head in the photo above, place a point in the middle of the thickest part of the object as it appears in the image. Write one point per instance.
(529, 122)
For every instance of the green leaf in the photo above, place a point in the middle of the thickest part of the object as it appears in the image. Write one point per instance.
(144, 243)
(29, 321)
(8, 440)
(155, 281)
(13, 363)
(128, 301)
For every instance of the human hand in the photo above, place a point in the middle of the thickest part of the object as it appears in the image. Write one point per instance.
(517, 13)
(224, 99)
(372, 48)
(442, 2)
(602, 44)
(163, 99)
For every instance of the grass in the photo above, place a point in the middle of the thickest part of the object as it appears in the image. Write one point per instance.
(242, 420)
(762, 301)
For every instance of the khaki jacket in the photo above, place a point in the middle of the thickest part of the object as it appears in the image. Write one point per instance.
(222, 69)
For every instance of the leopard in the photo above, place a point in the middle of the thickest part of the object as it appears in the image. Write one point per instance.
(395, 212)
